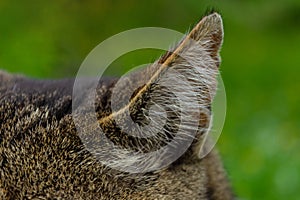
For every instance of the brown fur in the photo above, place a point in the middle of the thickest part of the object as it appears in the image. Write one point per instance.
(42, 156)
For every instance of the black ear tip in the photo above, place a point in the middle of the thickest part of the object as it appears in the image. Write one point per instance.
(211, 10)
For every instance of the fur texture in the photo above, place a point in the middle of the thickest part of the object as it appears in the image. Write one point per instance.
(43, 157)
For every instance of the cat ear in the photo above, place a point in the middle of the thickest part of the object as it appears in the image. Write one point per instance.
(207, 35)
(159, 110)
(199, 51)
(209, 32)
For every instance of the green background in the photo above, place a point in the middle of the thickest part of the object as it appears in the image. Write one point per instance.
(260, 142)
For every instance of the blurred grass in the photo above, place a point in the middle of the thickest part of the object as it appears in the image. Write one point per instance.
(260, 142)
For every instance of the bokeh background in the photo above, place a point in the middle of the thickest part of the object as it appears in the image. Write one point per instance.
(260, 143)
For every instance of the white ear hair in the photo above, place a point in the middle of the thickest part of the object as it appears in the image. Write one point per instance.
(198, 59)
(209, 33)
(181, 84)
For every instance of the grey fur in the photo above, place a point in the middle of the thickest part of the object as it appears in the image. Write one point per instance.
(42, 156)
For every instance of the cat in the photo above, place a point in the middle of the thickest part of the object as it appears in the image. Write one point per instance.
(42, 155)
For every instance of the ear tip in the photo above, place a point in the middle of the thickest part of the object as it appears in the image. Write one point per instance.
(210, 26)
(215, 19)
(215, 15)
(214, 23)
